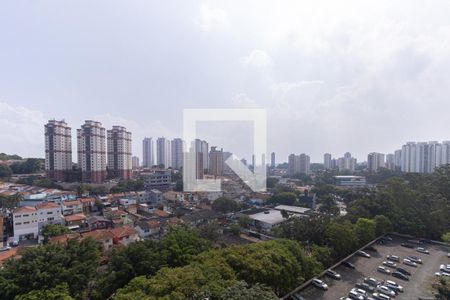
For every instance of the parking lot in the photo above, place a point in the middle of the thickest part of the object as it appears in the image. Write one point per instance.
(419, 284)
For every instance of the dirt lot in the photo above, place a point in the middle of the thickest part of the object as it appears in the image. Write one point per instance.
(418, 285)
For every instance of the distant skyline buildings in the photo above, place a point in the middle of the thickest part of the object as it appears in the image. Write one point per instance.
(119, 152)
(147, 152)
(299, 164)
(424, 157)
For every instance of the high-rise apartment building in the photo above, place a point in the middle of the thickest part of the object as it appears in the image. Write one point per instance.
(298, 164)
(177, 153)
(119, 152)
(272, 160)
(147, 153)
(163, 152)
(346, 163)
(215, 162)
(424, 157)
(398, 158)
(375, 161)
(92, 151)
(135, 162)
(327, 161)
(390, 161)
(58, 150)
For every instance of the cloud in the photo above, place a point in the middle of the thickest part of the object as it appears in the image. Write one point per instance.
(258, 59)
(212, 18)
(21, 130)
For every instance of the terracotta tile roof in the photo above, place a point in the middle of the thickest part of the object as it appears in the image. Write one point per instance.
(47, 205)
(99, 235)
(118, 212)
(87, 200)
(4, 255)
(75, 217)
(62, 239)
(149, 224)
(123, 231)
(24, 209)
(71, 202)
(161, 213)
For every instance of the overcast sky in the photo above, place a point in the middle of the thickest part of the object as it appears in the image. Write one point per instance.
(334, 76)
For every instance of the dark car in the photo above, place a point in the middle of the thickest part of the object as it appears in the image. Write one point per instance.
(365, 286)
(400, 276)
(348, 264)
(333, 274)
(403, 271)
(406, 245)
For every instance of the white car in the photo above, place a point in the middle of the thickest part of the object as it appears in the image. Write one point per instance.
(390, 264)
(355, 296)
(422, 250)
(385, 290)
(395, 285)
(384, 270)
(320, 284)
(363, 254)
(409, 262)
(380, 296)
(393, 258)
(360, 291)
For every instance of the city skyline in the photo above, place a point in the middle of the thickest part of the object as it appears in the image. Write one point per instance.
(320, 73)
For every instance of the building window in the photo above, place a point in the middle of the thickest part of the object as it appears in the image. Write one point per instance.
(17, 224)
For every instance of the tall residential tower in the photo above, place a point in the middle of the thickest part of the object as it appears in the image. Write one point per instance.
(119, 152)
(58, 150)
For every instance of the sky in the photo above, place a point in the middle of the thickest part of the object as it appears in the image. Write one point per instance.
(334, 76)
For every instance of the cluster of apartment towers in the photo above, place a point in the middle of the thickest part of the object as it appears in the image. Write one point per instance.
(98, 150)
(108, 152)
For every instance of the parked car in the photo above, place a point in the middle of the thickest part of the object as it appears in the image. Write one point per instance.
(348, 264)
(320, 284)
(396, 287)
(360, 291)
(384, 270)
(390, 264)
(415, 259)
(380, 296)
(371, 281)
(403, 271)
(385, 290)
(333, 274)
(422, 250)
(400, 276)
(444, 268)
(365, 286)
(363, 254)
(409, 262)
(355, 296)
(393, 258)
(406, 245)
(5, 248)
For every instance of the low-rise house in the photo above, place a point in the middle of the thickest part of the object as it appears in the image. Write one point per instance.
(118, 217)
(124, 235)
(72, 207)
(48, 213)
(103, 236)
(88, 205)
(200, 217)
(147, 228)
(98, 222)
(161, 214)
(76, 221)
(25, 223)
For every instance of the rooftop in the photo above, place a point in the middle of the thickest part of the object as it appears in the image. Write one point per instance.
(294, 209)
(270, 216)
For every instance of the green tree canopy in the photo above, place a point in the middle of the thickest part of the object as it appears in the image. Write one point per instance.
(284, 198)
(225, 205)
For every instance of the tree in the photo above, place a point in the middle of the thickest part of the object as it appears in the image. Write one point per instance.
(225, 205)
(341, 238)
(244, 221)
(242, 291)
(382, 225)
(60, 292)
(285, 214)
(48, 266)
(443, 289)
(5, 171)
(51, 230)
(364, 230)
(446, 237)
(323, 254)
(284, 198)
